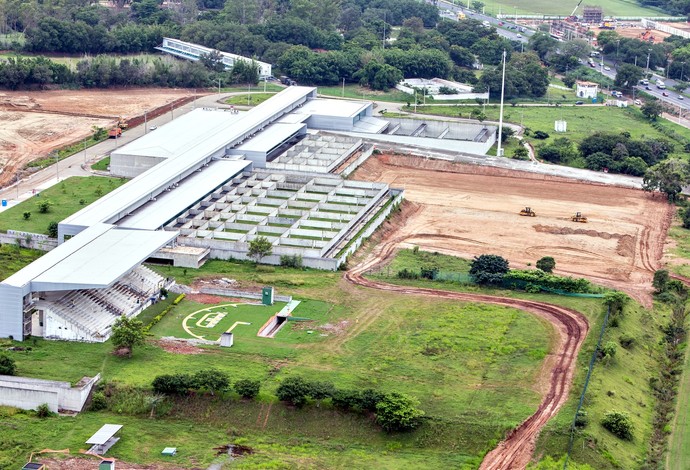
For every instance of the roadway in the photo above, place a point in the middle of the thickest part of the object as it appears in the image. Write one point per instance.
(512, 34)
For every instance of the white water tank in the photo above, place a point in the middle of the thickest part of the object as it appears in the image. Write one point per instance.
(561, 126)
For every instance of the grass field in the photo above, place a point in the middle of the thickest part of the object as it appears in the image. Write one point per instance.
(546, 7)
(679, 442)
(620, 385)
(67, 197)
(582, 121)
(357, 92)
(101, 165)
(72, 60)
(470, 365)
(249, 99)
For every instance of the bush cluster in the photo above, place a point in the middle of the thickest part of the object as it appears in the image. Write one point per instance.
(394, 411)
(165, 311)
(291, 261)
(519, 277)
(211, 380)
(7, 365)
(619, 424)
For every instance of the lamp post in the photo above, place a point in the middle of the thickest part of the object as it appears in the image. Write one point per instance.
(57, 166)
(499, 149)
(618, 43)
(648, 53)
(515, 14)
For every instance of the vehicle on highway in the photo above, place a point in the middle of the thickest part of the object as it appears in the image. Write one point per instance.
(592, 64)
(607, 68)
(680, 97)
(644, 81)
(519, 35)
(664, 94)
(153, 128)
(638, 102)
(647, 87)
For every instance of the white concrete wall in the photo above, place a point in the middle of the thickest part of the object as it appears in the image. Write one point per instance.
(28, 393)
(130, 166)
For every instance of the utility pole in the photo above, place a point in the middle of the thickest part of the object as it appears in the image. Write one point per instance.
(84, 150)
(648, 53)
(146, 124)
(219, 85)
(57, 166)
(249, 96)
(342, 94)
(499, 149)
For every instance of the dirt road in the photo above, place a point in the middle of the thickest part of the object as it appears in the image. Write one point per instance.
(571, 328)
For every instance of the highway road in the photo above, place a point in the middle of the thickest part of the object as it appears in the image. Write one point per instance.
(504, 30)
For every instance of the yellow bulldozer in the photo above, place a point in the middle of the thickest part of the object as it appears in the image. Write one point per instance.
(122, 123)
(578, 217)
(528, 212)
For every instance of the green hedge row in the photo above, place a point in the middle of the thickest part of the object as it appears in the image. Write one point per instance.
(160, 316)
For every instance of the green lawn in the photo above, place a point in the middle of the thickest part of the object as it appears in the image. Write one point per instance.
(269, 87)
(101, 165)
(249, 99)
(679, 442)
(66, 197)
(354, 91)
(546, 7)
(621, 384)
(72, 60)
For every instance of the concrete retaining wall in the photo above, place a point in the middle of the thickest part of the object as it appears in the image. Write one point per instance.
(360, 160)
(27, 393)
(37, 241)
(242, 294)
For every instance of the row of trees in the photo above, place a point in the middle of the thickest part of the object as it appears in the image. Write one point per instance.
(105, 71)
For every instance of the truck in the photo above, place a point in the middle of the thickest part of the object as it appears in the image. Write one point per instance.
(486, 24)
(114, 133)
(660, 85)
(644, 81)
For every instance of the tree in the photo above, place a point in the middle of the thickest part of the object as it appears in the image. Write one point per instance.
(213, 61)
(398, 412)
(173, 384)
(488, 269)
(546, 264)
(247, 388)
(259, 248)
(53, 229)
(521, 153)
(619, 424)
(44, 206)
(212, 380)
(668, 177)
(686, 217)
(652, 109)
(616, 301)
(660, 280)
(7, 365)
(628, 76)
(294, 390)
(127, 333)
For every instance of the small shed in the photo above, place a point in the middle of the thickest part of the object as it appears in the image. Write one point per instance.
(587, 89)
(169, 451)
(106, 465)
(104, 438)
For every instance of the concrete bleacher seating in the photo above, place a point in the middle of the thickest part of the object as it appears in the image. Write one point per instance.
(93, 311)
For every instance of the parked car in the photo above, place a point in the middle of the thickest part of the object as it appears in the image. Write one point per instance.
(638, 102)
(153, 128)
(579, 102)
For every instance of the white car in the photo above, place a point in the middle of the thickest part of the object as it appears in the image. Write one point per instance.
(607, 68)
(519, 35)
(680, 97)
(153, 128)
(638, 102)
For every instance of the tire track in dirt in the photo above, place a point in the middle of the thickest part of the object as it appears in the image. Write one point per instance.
(571, 328)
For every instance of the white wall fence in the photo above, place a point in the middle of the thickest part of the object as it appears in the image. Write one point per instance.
(37, 241)
(647, 23)
(27, 393)
(439, 97)
(242, 294)
(366, 153)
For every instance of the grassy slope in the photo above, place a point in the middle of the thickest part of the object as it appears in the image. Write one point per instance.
(13, 258)
(65, 199)
(357, 92)
(627, 376)
(254, 99)
(679, 442)
(547, 7)
(467, 363)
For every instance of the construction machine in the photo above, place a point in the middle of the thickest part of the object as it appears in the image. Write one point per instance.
(122, 123)
(573, 18)
(578, 217)
(528, 212)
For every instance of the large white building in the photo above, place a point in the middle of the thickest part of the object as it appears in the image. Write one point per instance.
(190, 51)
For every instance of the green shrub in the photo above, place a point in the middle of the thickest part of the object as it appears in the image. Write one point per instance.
(294, 390)
(291, 261)
(211, 380)
(627, 341)
(518, 278)
(247, 388)
(407, 274)
(346, 400)
(618, 424)
(581, 419)
(546, 264)
(7, 365)
(179, 299)
(43, 411)
(98, 401)
(173, 384)
(398, 412)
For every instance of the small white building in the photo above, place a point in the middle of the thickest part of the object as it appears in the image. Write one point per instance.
(587, 89)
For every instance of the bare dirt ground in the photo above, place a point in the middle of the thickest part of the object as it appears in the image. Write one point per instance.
(635, 33)
(468, 211)
(33, 123)
(571, 329)
(91, 463)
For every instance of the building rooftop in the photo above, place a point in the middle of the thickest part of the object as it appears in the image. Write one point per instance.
(328, 107)
(269, 138)
(97, 258)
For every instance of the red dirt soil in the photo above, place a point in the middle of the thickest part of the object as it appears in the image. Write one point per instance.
(92, 463)
(571, 329)
(468, 210)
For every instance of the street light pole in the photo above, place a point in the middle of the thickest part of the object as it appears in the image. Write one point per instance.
(84, 150)
(57, 166)
(648, 53)
(499, 149)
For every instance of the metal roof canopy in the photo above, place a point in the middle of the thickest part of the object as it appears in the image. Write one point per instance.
(102, 436)
(270, 138)
(195, 187)
(130, 196)
(108, 254)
